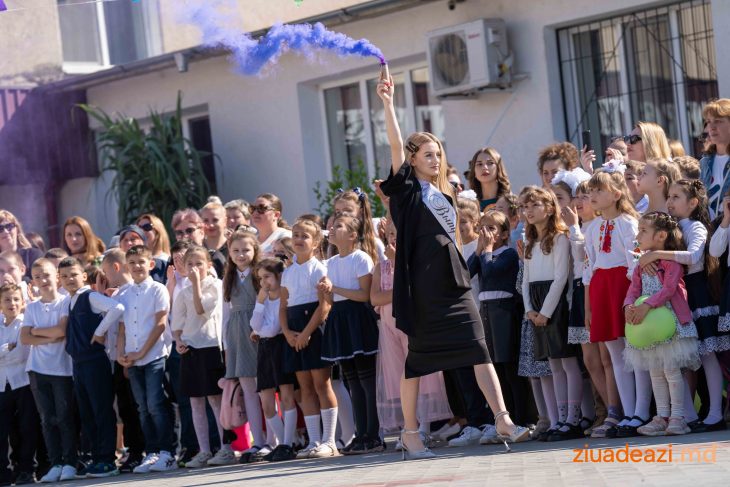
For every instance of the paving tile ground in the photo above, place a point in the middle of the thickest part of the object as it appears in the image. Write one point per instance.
(531, 464)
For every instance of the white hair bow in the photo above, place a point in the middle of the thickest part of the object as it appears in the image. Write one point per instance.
(572, 178)
(614, 166)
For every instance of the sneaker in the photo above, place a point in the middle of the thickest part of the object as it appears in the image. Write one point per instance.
(145, 465)
(469, 436)
(224, 456)
(132, 462)
(490, 436)
(165, 462)
(374, 445)
(446, 431)
(324, 450)
(677, 426)
(200, 460)
(656, 427)
(185, 456)
(356, 447)
(54, 474)
(25, 478)
(68, 472)
(102, 470)
(304, 452)
(283, 453)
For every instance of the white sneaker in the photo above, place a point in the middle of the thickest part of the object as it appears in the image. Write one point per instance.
(200, 460)
(224, 456)
(304, 452)
(445, 431)
(165, 462)
(68, 473)
(490, 436)
(468, 436)
(324, 450)
(54, 474)
(146, 464)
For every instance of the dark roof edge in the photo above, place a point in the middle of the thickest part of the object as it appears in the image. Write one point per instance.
(373, 8)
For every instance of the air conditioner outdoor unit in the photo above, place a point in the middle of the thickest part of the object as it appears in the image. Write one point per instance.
(465, 58)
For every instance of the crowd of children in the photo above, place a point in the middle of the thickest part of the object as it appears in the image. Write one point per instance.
(116, 360)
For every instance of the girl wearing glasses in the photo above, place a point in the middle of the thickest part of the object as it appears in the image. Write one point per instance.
(266, 217)
(13, 239)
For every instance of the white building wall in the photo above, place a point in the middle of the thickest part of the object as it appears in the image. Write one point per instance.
(269, 131)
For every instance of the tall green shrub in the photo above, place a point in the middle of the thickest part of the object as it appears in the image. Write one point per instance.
(156, 171)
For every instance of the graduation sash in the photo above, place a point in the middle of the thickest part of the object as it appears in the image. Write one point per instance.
(441, 209)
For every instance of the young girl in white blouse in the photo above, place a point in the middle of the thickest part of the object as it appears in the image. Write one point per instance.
(351, 332)
(196, 327)
(544, 292)
(611, 248)
(270, 374)
(302, 311)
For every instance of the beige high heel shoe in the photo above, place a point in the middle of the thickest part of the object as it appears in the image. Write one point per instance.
(518, 434)
(414, 455)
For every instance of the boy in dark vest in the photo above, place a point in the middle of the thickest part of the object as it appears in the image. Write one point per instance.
(92, 372)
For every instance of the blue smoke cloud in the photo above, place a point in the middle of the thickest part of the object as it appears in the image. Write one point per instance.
(251, 55)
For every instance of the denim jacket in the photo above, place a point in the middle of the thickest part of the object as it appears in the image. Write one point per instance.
(706, 166)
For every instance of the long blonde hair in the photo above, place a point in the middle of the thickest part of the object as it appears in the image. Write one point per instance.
(666, 169)
(554, 226)
(413, 145)
(614, 181)
(656, 145)
(161, 244)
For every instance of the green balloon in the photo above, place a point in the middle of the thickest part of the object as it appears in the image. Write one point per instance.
(658, 326)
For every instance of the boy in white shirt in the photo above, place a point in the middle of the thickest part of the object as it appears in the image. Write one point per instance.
(110, 281)
(143, 345)
(17, 406)
(49, 370)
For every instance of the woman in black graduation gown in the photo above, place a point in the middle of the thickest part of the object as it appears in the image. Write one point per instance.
(432, 302)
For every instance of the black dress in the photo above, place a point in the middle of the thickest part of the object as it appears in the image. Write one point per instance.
(432, 301)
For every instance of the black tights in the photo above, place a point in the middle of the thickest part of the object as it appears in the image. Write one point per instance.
(359, 372)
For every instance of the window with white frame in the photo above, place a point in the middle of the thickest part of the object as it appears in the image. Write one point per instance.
(654, 65)
(98, 34)
(357, 135)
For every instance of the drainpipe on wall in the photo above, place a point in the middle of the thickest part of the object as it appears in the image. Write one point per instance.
(53, 229)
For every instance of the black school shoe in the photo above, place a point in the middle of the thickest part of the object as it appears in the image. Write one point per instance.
(630, 431)
(546, 434)
(699, 426)
(283, 453)
(574, 431)
(373, 445)
(356, 447)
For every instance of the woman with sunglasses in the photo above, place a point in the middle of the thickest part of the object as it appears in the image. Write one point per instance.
(12, 238)
(266, 217)
(188, 225)
(647, 141)
(157, 239)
